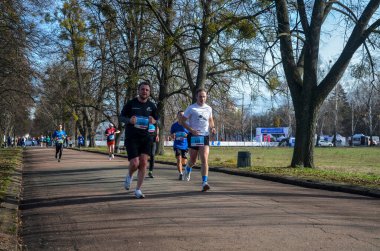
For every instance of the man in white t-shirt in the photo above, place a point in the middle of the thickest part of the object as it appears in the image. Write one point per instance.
(197, 119)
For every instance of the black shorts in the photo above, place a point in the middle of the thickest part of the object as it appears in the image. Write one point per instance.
(137, 146)
(180, 152)
(206, 141)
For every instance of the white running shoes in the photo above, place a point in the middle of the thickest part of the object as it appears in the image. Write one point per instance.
(186, 176)
(139, 194)
(128, 181)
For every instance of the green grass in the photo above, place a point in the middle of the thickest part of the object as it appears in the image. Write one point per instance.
(10, 159)
(358, 166)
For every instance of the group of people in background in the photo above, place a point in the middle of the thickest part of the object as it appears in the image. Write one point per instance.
(42, 141)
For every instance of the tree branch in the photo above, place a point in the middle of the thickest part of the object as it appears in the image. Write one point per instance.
(303, 15)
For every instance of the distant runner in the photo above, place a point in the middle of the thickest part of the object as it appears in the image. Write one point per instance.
(110, 133)
(59, 137)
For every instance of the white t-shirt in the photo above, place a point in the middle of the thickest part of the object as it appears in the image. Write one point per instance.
(198, 117)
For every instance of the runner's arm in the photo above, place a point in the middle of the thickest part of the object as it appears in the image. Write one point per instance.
(154, 118)
(126, 116)
(157, 134)
(184, 124)
(212, 125)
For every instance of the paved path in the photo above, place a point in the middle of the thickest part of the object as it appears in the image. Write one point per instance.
(80, 204)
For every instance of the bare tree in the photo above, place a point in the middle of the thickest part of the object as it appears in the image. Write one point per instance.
(301, 72)
(16, 73)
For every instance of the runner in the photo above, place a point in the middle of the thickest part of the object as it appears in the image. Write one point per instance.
(137, 114)
(197, 119)
(180, 146)
(48, 141)
(154, 138)
(80, 140)
(110, 133)
(59, 136)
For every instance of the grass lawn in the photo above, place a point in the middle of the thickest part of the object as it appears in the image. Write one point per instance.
(10, 158)
(354, 166)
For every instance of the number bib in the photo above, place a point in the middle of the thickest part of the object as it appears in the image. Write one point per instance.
(111, 137)
(142, 123)
(151, 128)
(180, 136)
(197, 140)
(60, 141)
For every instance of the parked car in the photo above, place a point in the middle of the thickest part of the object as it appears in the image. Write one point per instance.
(323, 142)
(287, 142)
(375, 140)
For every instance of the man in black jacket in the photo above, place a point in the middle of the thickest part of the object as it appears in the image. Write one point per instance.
(137, 114)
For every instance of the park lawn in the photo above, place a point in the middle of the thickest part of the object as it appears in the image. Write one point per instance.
(358, 166)
(10, 159)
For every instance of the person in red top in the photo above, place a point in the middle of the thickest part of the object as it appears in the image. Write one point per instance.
(110, 133)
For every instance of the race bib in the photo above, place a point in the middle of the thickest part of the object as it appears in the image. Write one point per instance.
(60, 141)
(142, 122)
(111, 137)
(151, 128)
(180, 136)
(197, 141)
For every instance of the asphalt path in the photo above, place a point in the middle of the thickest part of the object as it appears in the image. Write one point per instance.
(80, 204)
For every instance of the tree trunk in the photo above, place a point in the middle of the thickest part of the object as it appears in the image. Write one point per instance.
(161, 113)
(306, 115)
(162, 97)
(203, 50)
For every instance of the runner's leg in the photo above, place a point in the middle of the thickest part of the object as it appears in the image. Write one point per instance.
(179, 163)
(60, 151)
(143, 162)
(203, 153)
(109, 149)
(56, 150)
(152, 156)
(133, 166)
(193, 159)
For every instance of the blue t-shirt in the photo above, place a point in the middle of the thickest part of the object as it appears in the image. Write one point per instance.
(181, 132)
(81, 140)
(61, 135)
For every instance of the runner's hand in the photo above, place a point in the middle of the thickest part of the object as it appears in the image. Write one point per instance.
(132, 120)
(152, 120)
(194, 132)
